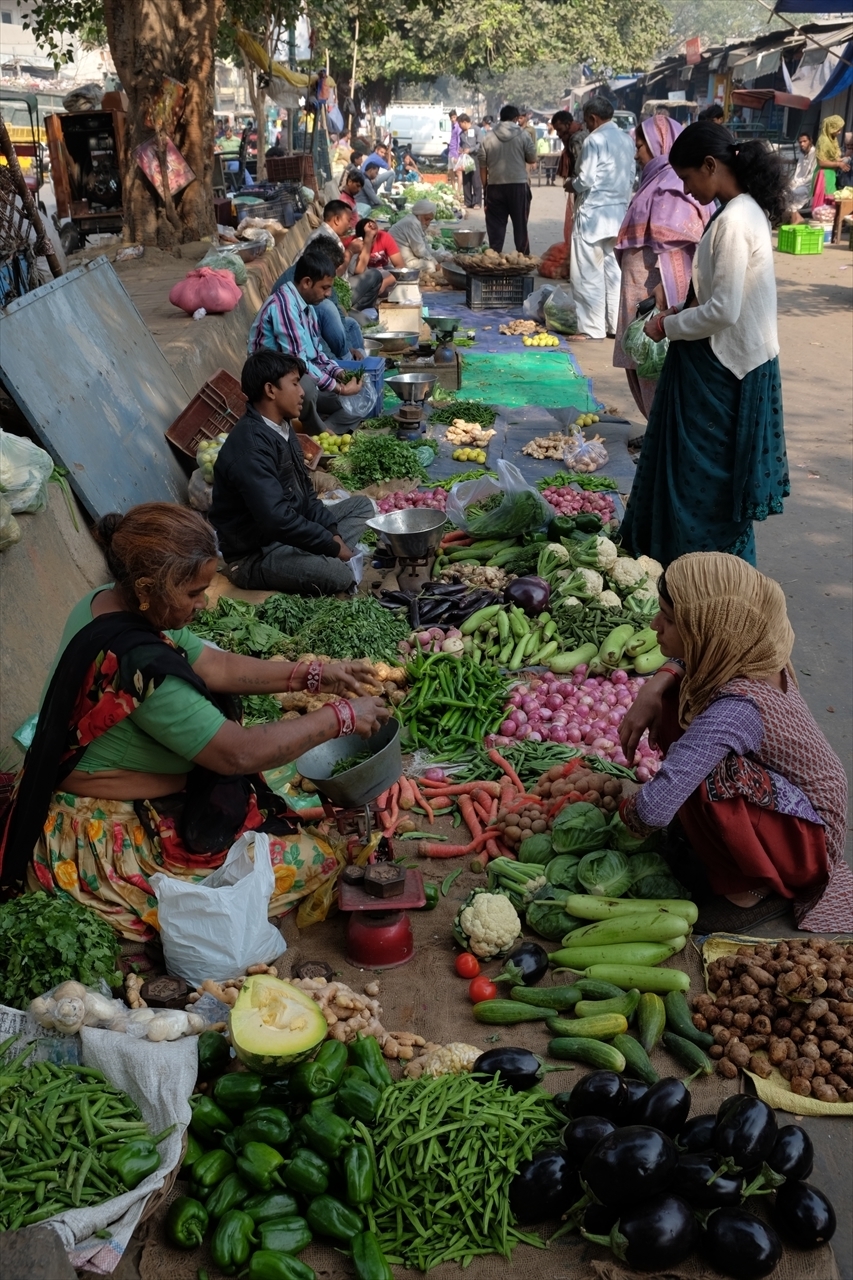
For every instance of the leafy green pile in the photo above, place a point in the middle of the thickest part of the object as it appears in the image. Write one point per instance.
(518, 512)
(355, 628)
(46, 939)
(260, 708)
(372, 459)
(469, 410)
(288, 613)
(235, 625)
(342, 292)
(385, 422)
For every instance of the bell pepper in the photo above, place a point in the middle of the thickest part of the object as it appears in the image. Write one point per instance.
(357, 1073)
(258, 1165)
(264, 1124)
(368, 1260)
(307, 1174)
(192, 1153)
(232, 1241)
(266, 1265)
(209, 1121)
(214, 1053)
(322, 1106)
(134, 1161)
(321, 1076)
(329, 1217)
(365, 1052)
(357, 1164)
(266, 1206)
(186, 1223)
(285, 1235)
(211, 1168)
(238, 1091)
(432, 896)
(231, 1193)
(357, 1099)
(326, 1133)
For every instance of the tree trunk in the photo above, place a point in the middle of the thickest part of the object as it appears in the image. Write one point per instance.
(149, 41)
(258, 100)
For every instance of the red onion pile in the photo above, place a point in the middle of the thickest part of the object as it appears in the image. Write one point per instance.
(431, 499)
(567, 501)
(583, 710)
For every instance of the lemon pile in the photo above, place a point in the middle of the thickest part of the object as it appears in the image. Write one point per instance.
(207, 453)
(542, 340)
(330, 443)
(469, 455)
(586, 420)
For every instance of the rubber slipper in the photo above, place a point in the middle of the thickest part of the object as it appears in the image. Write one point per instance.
(721, 916)
(582, 337)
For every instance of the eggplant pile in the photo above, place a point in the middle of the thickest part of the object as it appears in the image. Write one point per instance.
(439, 604)
(636, 1175)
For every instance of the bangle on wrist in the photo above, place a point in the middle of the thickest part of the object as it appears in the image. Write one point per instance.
(314, 676)
(291, 681)
(672, 669)
(344, 715)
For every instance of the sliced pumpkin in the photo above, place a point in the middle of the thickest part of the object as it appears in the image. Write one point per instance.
(273, 1024)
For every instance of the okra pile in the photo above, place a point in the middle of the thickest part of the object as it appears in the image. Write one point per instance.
(68, 1139)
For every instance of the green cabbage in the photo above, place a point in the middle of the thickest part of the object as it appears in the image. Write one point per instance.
(546, 914)
(578, 828)
(606, 872)
(651, 878)
(562, 873)
(619, 837)
(536, 849)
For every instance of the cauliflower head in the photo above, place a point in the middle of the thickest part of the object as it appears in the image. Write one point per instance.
(653, 569)
(609, 600)
(645, 591)
(557, 550)
(582, 582)
(445, 1060)
(570, 602)
(626, 573)
(487, 924)
(606, 554)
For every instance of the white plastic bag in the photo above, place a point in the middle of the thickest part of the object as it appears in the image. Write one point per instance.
(24, 472)
(534, 305)
(522, 510)
(560, 312)
(581, 454)
(218, 927)
(10, 530)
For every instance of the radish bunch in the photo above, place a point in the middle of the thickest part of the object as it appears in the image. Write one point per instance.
(430, 499)
(581, 710)
(567, 501)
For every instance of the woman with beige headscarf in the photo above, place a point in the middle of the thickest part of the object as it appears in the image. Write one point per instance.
(833, 169)
(759, 792)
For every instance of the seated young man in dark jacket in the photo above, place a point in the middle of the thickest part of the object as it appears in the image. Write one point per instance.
(274, 533)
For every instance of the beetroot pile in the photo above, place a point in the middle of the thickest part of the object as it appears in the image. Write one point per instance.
(567, 501)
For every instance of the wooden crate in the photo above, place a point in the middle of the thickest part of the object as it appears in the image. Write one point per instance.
(449, 375)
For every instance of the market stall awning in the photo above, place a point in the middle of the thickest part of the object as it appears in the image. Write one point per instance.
(812, 6)
(841, 78)
(756, 98)
(285, 85)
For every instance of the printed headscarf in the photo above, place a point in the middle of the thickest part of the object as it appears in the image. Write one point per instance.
(732, 621)
(827, 147)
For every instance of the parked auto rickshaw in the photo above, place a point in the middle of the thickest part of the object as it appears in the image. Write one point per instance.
(20, 115)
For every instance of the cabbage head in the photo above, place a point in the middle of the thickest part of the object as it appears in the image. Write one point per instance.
(605, 872)
(578, 828)
(652, 878)
(562, 873)
(619, 837)
(546, 914)
(535, 849)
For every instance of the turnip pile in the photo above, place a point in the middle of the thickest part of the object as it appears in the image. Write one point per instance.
(570, 502)
(429, 499)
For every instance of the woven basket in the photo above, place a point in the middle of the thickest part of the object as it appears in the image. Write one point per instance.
(161, 1195)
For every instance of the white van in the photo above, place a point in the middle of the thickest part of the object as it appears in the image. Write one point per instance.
(422, 127)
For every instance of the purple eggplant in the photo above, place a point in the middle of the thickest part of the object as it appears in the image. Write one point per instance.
(630, 1165)
(803, 1215)
(599, 1220)
(697, 1134)
(792, 1154)
(740, 1245)
(601, 1093)
(581, 1135)
(745, 1131)
(664, 1106)
(652, 1236)
(544, 1187)
(702, 1186)
(525, 966)
(518, 1069)
(634, 1091)
(529, 593)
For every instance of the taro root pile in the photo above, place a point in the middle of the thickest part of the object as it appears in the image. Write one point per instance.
(787, 1005)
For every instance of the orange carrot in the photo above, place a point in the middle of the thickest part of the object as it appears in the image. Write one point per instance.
(496, 758)
(458, 536)
(493, 812)
(504, 851)
(482, 812)
(392, 812)
(422, 802)
(407, 795)
(469, 815)
(491, 849)
(428, 850)
(460, 788)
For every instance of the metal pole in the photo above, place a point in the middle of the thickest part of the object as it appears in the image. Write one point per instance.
(352, 77)
(43, 246)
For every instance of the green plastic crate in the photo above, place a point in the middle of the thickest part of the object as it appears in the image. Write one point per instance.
(800, 239)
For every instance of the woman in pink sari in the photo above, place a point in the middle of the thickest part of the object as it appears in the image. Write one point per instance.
(656, 243)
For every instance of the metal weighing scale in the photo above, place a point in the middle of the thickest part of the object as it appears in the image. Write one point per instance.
(443, 330)
(378, 936)
(414, 389)
(406, 291)
(411, 535)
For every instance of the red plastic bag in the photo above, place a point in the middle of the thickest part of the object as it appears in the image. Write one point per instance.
(555, 262)
(216, 291)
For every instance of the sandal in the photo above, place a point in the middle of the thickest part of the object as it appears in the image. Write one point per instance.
(582, 337)
(721, 916)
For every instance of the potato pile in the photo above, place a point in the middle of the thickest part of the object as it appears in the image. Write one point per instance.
(586, 784)
(490, 260)
(787, 1005)
(519, 825)
(387, 682)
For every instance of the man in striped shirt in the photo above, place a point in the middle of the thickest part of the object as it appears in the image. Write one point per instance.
(287, 322)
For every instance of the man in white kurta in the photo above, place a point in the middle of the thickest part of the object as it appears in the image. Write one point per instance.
(604, 184)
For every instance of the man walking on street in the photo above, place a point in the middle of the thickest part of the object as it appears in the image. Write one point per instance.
(454, 148)
(603, 183)
(506, 153)
(471, 142)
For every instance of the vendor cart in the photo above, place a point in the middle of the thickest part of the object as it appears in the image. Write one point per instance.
(85, 150)
(20, 115)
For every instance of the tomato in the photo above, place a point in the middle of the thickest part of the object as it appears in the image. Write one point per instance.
(467, 965)
(482, 988)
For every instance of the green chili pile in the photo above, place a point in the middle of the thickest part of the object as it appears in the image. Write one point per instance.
(592, 484)
(447, 1150)
(468, 410)
(452, 703)
(68, 1138)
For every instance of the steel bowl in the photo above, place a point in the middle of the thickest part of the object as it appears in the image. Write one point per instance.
(413, 532)
(412, 388)
(392, 341)
(405, 275)
(468, 238)
(454, 275)
(364, 782)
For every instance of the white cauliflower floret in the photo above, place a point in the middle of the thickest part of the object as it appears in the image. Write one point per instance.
(646, 591)
(626, 573)
(449, 1059)
(558, 551)
(571, 602)
(585, 581)
(491, 924)
(609, 600)
(606, 554)
(653, 569)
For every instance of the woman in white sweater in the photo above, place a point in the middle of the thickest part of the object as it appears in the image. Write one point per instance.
(713, 458)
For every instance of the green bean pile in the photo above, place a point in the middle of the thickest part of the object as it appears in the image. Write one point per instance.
(592, 484)
(468, 410)
(58, 1128)
(591, 625)
(350, 762)
(452, 703)
(447, 1150)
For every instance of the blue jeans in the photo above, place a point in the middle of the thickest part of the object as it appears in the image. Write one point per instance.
(340, 334)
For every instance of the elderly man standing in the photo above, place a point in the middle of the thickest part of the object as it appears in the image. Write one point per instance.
(504, 157)
(411, 236)
(603, 183)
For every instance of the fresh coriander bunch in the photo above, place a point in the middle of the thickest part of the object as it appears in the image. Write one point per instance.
(46, 939)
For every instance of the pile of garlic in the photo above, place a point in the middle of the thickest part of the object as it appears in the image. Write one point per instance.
(71, 1006)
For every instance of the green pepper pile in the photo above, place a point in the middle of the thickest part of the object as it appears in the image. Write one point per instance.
(452, 702)
(68, 1139)
(272, 1165)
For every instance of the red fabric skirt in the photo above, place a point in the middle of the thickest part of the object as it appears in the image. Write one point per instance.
(743, 846)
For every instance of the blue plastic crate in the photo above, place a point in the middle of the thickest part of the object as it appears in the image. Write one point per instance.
(374, 370)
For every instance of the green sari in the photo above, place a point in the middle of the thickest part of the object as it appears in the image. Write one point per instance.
(713, 458)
